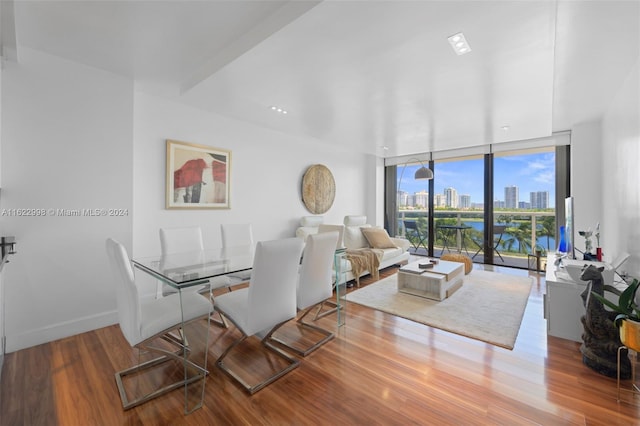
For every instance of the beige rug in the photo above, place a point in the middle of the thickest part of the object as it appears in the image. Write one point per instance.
(489, 306)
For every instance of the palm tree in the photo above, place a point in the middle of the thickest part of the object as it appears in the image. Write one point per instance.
(521, 233)
(548, 228)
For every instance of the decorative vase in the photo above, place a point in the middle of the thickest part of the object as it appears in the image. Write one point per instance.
(562, 246)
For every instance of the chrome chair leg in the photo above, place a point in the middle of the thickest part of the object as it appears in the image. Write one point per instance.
(634, 387)
(620, 348)
(166, 356)
(292, 363)
(327, 335)
(221, 320)
(321, 314)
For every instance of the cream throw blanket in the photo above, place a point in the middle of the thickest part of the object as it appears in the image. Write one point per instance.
(365, 259)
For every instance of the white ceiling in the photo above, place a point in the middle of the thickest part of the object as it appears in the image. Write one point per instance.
(360, 74)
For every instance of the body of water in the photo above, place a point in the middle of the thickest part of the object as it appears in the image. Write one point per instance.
(547, 243)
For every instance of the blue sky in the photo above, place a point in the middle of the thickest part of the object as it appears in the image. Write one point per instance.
(530, 173)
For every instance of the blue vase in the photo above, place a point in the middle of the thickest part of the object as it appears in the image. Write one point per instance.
(562, 247)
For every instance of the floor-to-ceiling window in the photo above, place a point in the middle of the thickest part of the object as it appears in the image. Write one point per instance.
(412, 205)
(524, 214)
(497, 207)
(458, 201)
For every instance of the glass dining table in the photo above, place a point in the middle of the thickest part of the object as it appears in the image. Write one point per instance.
(196, 271)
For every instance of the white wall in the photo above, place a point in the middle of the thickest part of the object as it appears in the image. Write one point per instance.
(266, 175)
(586, 180)
(621, 173)
(66, 144)
(78, 138)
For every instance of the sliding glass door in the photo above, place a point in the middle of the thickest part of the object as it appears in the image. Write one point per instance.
(499, 208)
(458, 202)
(524, 214)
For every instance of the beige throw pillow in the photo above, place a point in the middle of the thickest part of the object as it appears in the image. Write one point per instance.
(378, 238)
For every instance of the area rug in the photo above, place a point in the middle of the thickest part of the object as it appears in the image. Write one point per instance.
(488, 307)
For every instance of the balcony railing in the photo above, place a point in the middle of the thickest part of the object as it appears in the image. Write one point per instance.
(526, 232)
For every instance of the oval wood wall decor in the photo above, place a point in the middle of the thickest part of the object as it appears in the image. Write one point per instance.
(318, 189)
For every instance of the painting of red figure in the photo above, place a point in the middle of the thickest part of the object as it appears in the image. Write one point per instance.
(197, 176)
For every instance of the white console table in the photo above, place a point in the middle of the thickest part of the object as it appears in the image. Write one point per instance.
(563, 306)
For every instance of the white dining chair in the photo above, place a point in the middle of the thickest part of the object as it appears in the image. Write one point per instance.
(142, 323)
(178, 240)
(237, 236)
(315, 286)
(265, 305)
(181, 239)
(184, 240)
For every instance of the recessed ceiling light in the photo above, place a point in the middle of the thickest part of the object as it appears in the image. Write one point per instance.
(459, 44)
(505, 128)
(278, 109)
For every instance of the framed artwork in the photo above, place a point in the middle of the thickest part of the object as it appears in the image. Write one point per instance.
(198, 176)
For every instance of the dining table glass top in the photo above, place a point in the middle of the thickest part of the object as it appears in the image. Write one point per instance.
(186, 269)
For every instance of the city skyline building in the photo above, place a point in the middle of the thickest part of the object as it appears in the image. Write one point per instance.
(451, 197)
(539, 199)
(524, 205)
(511, 197)
(465, 201)
(421, 199)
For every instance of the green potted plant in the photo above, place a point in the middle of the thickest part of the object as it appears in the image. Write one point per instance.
(628, 318)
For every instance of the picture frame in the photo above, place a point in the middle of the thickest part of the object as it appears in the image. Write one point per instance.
(198, 176)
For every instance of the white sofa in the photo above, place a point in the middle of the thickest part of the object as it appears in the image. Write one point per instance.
(308, 226)
(353, 238)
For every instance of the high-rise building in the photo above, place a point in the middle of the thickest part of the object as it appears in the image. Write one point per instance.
(439, 200)
(421, 199)
(539, 199)
(465, 201)
(451, 197)
(403, 198)
(511, 197)
(524, 205)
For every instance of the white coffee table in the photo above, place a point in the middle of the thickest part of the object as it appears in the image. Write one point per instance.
(437, 283)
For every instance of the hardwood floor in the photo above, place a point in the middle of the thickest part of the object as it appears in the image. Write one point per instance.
(380, 369)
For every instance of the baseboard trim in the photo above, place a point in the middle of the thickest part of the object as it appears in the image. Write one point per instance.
(61, 330)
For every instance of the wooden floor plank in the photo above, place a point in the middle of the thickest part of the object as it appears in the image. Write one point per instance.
(379, 369)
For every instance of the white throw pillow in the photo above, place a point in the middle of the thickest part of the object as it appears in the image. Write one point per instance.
(353, 237)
